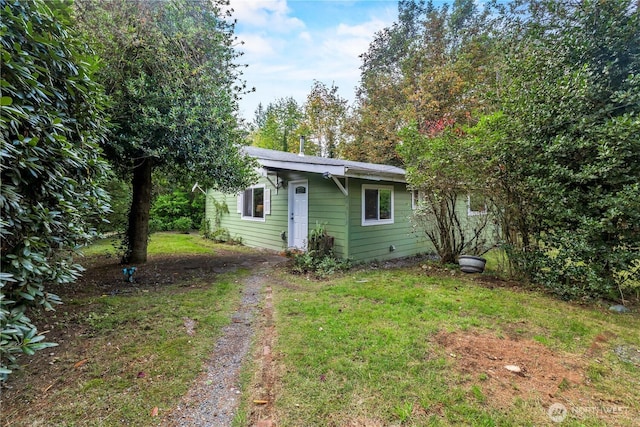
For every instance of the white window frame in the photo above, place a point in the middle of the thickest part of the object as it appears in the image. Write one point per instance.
(266, 210)
(472, 212)
(367, 222)
(416, 195)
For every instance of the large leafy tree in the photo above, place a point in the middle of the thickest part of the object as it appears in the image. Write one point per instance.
(51, 125)
(380, 101)
(373, 125)
(438, 63)
(449, 72)
(325, 112)
(568, 139)
(430, 67)
(173, 82)
(278, 126)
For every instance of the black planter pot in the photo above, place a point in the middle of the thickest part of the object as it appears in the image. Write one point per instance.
(471, 264)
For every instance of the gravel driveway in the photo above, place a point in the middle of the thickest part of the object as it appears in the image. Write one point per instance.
(214, 397)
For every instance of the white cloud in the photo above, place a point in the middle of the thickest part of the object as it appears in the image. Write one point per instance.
(255, 45)
(285, 55)
(265, 14)
(306, 36)
(348, 42)
(341, 49)
(365, 29)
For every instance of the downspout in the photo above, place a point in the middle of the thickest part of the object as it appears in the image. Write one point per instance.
(347, 233)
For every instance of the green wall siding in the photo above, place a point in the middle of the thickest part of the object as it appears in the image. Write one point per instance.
(373, 242)
(340, 214)
(327, 206)
(263, 234)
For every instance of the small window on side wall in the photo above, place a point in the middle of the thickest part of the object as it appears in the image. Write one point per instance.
(417, 197)
(253, 203)
(377, 204)
(476, 204)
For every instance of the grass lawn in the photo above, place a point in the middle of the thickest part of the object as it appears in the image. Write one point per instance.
(159, 244)
(127, 351)
(407, 346)
(402, 347)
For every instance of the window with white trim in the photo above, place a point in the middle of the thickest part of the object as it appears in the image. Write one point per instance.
(417, 197)
(476, 204)
(377, 204)
(254, 203)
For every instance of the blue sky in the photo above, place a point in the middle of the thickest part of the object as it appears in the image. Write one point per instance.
(290, 43)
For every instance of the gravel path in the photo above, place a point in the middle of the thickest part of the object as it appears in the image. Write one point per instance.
(213, 399)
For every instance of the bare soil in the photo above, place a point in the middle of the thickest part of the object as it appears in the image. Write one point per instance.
(511, 369)
(536, 372)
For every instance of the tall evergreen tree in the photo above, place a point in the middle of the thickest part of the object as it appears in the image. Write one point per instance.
(280, 125)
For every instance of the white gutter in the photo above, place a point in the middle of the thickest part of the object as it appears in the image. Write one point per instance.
(303, 167)
(377, 176)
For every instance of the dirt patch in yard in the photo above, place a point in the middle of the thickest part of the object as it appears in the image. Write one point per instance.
(104, 274)
(508, 370)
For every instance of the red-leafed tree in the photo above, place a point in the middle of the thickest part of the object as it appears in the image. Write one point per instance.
(423, 80)
(433, 65)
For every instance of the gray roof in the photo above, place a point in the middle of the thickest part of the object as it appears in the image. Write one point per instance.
(280, 160)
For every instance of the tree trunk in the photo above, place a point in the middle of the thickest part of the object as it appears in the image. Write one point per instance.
(138, 231)
(285, 145)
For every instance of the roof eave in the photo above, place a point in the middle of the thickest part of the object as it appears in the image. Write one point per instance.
(303, 167)
(376, 176)
(340, 171)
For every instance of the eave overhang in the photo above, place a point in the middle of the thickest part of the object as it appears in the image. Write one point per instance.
(339, 171)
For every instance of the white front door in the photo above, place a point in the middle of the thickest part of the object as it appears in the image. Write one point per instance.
(298, 214)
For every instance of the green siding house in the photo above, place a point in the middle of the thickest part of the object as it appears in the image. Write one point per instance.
(365, 207)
